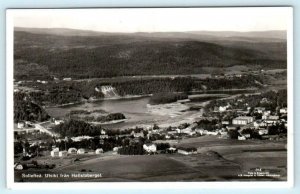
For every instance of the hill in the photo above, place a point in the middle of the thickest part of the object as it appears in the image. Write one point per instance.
(86, 54)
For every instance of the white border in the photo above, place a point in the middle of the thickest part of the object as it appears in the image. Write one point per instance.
(142, 185)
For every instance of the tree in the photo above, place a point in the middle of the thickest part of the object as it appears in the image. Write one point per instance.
(233, 134)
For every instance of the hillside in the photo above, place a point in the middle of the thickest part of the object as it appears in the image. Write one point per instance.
(84, 54)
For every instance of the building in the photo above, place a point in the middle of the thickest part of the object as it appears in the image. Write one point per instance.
(72, 151)
(115, 149)
(283, 111)
(263, 132)
(80, 138)
(21, 125)
(58, 122)
(259, 109)
(241, 138)
(18, 166)
(103, 136)
(212, 133)
(149, 147)
(186, 151)
(67, 79)
(55, 152)
(222, 108)
(63, 153)
(259, 123)
(270, 117)
(225, 122)
(99, 151)
(201, 131)
(243, 120)
(141, 134)
(81, 151)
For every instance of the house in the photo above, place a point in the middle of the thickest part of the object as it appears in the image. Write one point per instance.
(242, 120)
(99, 151)
(171, 150)
(57, 122)
(186, 130)
(115, 149)
(21, 125)
(241, 138)
(18, 166)
(72, 150)
(55, 152)
(103, 132)
(259, 109)
(263, 132)
(267, 112)
(103, 136)
(81, 151)
(172, 132)
(67, 79)
(140, 134)
(270, 117)
(212, 133)
(231, 128)
(247, 135)
(222, 108)
(62, 153)
(80, 138)
(167, 136)
(259, 123)
(201, 131)
(149, 147)
(283, 111)
(186, 151)
(225, 122)
(224, 135)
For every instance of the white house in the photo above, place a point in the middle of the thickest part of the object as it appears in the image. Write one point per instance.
(212, 133)
(57, 122)
(222, 108)
(225, 122)
(99, 151)
(243, 120)
(80, 138)
(149, 147)
(62, 153)
(140, 134)
(21, 125)
(259, 109)
(72, 150)
(55, 152)
(263, 132)
(201, 131)
(241, 138)
(115, 149)
(259, 123)
(18, 166)
(283, 111)
(67, 79)
(185, 151)
(81, 151)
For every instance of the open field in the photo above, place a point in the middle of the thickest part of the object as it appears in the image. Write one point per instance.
(216, 160)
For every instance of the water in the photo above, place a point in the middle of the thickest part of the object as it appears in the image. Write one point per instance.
(137, 112)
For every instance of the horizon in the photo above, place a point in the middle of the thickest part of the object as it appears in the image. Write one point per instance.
(131, 20)
(284, 30)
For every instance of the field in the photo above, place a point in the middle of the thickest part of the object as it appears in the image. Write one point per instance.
(216, 160)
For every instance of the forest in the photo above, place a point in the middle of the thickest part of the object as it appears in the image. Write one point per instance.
(123, 55)
(73, 128)
(25, 110)
(68, 92)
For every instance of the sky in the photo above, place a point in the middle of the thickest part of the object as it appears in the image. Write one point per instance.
(156, 20)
